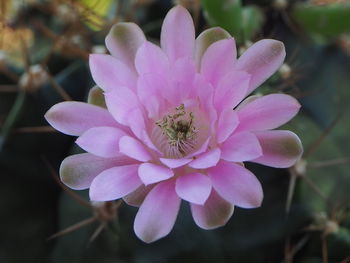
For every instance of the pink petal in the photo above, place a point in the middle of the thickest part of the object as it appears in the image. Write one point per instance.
(241, 147)
(231, 90)
(205, 93)
(228, 121)
(109, 73)
(148, 142)
(137, 125)
(101, 141)
(236, 184)
(77, 171)
(207, 159)
(134, 149)
(267, 112)
(205, 39)
(218, 60)
(74, 118)
(115, 183)
(149, 90)
(175, 163)
(214, 213)
(120, 103)
(183, 74)
(177, 35)
(151, 59)
(157, 214)
(261, 60)
(151, 173)
(201, 149)
(281, 149)
(194, 188)
(136, 198)
(123, 40)
(136, 122)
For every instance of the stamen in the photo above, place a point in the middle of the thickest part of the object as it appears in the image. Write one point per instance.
(179, 130)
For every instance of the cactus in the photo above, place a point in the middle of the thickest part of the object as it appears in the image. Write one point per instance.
(44, 49)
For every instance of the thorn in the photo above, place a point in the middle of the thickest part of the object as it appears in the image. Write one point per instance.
(314, 146)
(50, 34)
(116, 205)
(47, 57)
(343, 213)
(289, 22)
(25, 53)
(305, 93)
(37, 129)
(8, 73)
(65, 188)
(345, 260)
(302, 242)
(12, 117)
(58, 88)
(292, 251)
(328, 163)
(98, 231)
(288, 257)
(291, 188)
(292, 58)
(73, 228)
(315, 188)
(8, 88)
(324, 250)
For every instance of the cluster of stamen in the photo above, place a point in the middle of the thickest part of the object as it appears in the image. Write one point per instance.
(179, 129)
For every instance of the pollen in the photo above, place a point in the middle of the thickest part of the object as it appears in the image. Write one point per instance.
(179, 130)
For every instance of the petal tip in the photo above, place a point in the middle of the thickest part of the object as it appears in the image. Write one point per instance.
(65, 173)
(179, 8)
(146, 237)
(275, 47)
(48, 115)
(93, 58)
(95, 196)
(257, 203)
(94, 61)
(54, 115)
(296, 148)
(218, 29)
(255, 200)
(92, 196)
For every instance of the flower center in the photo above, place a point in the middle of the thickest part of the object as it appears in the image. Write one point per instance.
(181, 131)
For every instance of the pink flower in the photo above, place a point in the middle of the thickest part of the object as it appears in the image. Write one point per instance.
(175, 126)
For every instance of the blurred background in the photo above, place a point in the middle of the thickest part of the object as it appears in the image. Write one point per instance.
(305, 216)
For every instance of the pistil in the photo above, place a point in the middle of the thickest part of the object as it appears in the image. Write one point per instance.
(179, 130)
